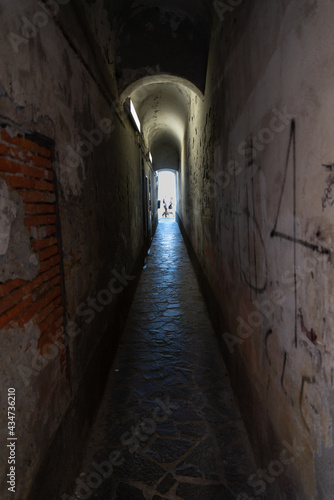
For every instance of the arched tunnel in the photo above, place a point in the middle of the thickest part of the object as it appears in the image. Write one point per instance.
(181, 352)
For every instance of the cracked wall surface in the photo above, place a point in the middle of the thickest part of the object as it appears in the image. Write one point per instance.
(56, 84)
(255, 201)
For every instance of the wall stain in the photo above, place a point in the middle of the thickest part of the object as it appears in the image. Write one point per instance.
(269, 332)
(328, 196)
(310, 381)
(283, 373)
(310, 334)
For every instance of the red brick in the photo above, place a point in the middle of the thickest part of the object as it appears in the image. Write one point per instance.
(50, 230)
(48, 264)
(44, 243)
(16, 153)
(33, 209)
(60, 321)
(56, 281)
(29, 171)
(41, 162)
(48, 310)
(10, 166)
(48, 275)
(25, 144)
(61, 338)
(51, 319)
(7, 303)
(42, 231)
(20, 182)
(48, 175)
(41, 291)
(19, 294)
(6, 288)
(37, 197)
(23, 155)
(12, 314)
(46, 254)
(39, 305)
(57, 333)
(7, 151)
(39, 220)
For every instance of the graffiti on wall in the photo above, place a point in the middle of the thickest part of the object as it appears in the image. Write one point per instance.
(328, 196)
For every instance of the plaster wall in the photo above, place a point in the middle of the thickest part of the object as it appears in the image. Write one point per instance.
(256, 203)
(56, 80)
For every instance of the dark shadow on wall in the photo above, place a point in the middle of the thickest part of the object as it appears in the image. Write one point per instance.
(60, 466)
(263, 440)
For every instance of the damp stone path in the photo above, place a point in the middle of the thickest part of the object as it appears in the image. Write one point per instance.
(168, 427)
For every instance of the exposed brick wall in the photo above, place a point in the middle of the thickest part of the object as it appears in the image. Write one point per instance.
(26, 167)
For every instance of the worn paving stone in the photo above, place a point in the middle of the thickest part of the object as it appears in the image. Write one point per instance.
(197, 492)
(166, 484)
(138, 468)
(230, 433)
(192, 430)
(168, 450)
(188, 471)
(127, 492)
(184, 414)
(166, 429)
(203, 459)
(169, 408)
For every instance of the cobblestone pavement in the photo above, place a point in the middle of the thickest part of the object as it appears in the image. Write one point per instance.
(169, 427)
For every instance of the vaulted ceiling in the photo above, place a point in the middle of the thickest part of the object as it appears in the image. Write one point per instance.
(161, 58)
(159, 37)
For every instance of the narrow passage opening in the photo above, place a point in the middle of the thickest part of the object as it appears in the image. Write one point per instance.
(167, 194)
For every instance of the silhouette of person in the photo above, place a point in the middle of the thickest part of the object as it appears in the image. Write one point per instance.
(165, 208)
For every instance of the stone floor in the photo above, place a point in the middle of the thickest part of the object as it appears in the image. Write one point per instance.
(169, 427)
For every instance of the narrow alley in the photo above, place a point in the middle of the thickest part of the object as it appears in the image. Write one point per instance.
(168, 408)
(134, 133)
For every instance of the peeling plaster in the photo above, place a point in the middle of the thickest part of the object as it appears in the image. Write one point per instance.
(17, 260)
(7, 216)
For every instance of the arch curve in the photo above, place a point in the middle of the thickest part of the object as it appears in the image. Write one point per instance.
(162, 78)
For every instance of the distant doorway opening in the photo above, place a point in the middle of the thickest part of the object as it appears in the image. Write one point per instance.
(166, 195)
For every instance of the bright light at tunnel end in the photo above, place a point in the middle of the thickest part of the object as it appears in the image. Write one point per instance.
(135, 116)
